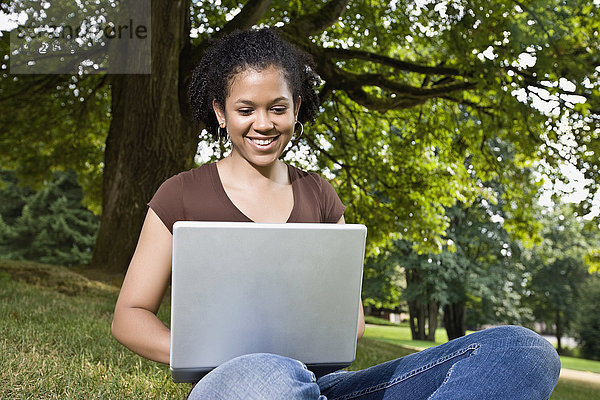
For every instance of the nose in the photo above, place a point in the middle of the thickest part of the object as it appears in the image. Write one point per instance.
(263, 122)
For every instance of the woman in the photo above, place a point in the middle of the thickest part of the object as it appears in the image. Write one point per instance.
(258, 90)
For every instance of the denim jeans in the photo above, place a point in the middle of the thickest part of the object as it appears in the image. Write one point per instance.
(507, 362)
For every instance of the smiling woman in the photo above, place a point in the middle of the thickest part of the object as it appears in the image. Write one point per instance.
(257, 89)
(259, 115)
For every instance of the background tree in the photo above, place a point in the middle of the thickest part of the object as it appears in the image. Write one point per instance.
(476, 277)
(383, 280)
(587, 326)
(409, 91)
(49, 225)
(478, 274)
(558, 270)
(483, 274)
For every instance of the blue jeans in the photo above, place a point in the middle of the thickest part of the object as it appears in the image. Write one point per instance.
(507, 362)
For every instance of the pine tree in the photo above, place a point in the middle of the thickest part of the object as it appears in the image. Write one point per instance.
(49, 225)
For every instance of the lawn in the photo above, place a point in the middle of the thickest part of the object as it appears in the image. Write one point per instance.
(400, 335)
(55, 342)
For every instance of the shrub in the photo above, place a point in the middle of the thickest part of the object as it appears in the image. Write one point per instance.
(50, 225)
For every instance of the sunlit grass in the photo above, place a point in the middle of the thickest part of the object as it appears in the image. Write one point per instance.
(580, 364)
(55, 342)
(396, 338)
(400, 335)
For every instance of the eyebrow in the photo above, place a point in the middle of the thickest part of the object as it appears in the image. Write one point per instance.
(251, 103)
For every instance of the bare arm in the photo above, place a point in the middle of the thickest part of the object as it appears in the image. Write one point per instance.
(361, 311)
(135, 323)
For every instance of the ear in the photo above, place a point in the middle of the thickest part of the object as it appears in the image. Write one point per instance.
(297, 107)
(219, 113)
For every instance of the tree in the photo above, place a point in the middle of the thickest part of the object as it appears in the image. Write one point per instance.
(478, 273)
(49, 225)
(484, 273)
(587, 326)
(557, 270)
(410, 90)
(383, 280)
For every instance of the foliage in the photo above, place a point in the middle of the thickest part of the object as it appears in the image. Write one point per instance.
(382, 281)
(479, 268)
(410, 90)
(592, 259)
(556, 268)
(49, 225)
(587, 326)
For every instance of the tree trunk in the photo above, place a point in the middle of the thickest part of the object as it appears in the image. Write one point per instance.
(417, 317)
(455, 319)
(150, 138)
(432, 317)
(421, 314)
(423, 320)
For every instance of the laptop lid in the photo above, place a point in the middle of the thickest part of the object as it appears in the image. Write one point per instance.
(288, 289)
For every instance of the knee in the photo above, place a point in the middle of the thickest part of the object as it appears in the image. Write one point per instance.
(266, 365)
(258, 376)
(526, 349)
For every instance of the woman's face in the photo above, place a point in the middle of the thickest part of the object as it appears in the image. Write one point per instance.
(259, 115)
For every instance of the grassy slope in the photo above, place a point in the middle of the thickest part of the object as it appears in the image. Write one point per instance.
(55, 343)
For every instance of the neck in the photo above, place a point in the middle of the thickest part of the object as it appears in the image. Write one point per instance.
(244, 171)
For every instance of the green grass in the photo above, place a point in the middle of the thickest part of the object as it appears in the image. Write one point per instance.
(55, 342)
(580, 364)
(369, 319)
(401, 335)
(378, 346)
(575, 390)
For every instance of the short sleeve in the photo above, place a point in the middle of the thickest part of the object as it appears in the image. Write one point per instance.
(167, 202)
(332, 207)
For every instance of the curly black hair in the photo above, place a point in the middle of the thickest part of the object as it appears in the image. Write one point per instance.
(256, 49)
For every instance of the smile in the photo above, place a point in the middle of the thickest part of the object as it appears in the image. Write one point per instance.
(263, 142)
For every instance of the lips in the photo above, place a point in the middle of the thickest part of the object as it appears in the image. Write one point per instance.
(262, 143)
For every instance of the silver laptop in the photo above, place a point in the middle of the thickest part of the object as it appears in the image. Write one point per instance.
(241, 288)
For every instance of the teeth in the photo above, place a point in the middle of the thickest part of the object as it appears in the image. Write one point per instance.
(263, 142)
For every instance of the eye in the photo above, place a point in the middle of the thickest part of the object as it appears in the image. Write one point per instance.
(279, 109)
(245, 111)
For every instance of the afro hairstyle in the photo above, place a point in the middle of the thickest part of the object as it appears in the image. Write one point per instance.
(256, 49)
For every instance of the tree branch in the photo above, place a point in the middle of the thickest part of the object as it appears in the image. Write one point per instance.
(405, 95)
(248, 17)
(378, 103)
(317, 22)
(483, 109)
(411, 91)
(250, 14)
(347, 54)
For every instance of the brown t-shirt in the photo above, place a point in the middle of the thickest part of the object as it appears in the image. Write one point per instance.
(198, 195)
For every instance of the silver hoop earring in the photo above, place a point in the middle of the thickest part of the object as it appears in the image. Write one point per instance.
(220, 135)
(301, 130)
